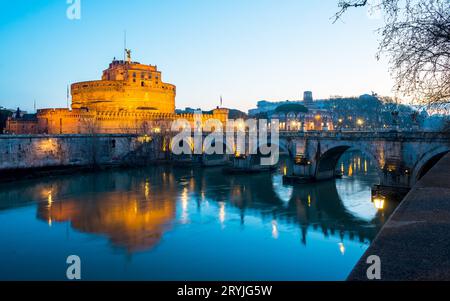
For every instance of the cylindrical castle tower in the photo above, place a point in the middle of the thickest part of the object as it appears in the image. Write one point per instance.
(129, 86)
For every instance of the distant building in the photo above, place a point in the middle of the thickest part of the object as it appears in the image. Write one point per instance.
(130, 98)
(22, 123)
(188, 110)
(296, 115)
(308, 98)
(265, 106)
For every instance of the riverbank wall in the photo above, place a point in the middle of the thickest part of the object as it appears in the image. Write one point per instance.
(22, 155)
(414, 244)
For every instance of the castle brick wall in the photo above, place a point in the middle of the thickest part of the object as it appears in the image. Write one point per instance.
(64, 121)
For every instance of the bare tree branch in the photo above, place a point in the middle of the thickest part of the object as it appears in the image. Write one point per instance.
(345, 5)
(416, 38)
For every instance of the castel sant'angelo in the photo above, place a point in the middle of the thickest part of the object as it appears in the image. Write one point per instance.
(130, 98)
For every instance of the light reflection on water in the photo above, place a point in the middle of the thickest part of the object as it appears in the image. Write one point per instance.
(165, 223)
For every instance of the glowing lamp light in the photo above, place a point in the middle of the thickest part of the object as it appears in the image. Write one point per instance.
(50, 198)
(391, 168)
(379, 202)
(147, 189)
(222, 212)
(145, 139)
(360, 122)
(275, 233)
(48, 145)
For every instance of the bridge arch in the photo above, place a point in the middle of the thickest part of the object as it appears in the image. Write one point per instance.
(427, 161)
(328, 160)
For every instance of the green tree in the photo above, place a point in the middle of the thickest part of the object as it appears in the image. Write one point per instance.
(4, 114)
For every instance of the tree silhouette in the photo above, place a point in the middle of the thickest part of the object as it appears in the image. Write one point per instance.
(416, 38)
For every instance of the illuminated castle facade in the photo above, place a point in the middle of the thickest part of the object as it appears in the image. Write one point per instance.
(130, 98)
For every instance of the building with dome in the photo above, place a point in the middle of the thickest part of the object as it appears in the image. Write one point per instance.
(299, 115)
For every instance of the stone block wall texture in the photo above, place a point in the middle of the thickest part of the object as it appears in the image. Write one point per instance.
(39, 151)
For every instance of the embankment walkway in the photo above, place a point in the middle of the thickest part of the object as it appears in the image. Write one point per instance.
(415, 242)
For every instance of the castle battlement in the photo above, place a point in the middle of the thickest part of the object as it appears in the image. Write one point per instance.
(126, 86)
(130, 97)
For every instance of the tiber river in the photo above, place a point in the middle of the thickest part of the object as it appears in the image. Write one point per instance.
(169, 223)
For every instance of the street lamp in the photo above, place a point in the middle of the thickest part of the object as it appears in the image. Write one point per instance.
(360, 122)
(379, 202)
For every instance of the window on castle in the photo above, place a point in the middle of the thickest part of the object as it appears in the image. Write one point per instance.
(142, 84)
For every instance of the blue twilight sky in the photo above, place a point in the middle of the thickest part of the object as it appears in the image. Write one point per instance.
(245, 50)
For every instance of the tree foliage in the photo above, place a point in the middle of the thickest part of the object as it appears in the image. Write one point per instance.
(416, 38)
(292, 107)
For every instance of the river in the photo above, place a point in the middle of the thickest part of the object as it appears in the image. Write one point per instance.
(169, 223)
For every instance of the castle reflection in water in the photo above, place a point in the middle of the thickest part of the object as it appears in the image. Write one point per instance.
(134, 208)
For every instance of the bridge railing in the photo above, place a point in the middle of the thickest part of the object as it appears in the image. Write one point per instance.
(367, 134)
(406, 134)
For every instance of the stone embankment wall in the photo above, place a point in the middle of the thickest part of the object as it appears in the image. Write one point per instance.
(414, 243)
(22, 152)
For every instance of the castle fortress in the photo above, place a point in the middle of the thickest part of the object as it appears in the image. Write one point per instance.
(130, 98)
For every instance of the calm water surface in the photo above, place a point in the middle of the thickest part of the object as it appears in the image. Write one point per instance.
(164, 223)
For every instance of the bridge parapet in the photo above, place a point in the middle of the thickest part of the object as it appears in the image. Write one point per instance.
(388, 135)
(402, 157)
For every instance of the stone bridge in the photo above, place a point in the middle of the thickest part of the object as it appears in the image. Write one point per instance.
(402, 158)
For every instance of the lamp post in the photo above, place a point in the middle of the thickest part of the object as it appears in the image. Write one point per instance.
(415, 124)
(395, 123)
